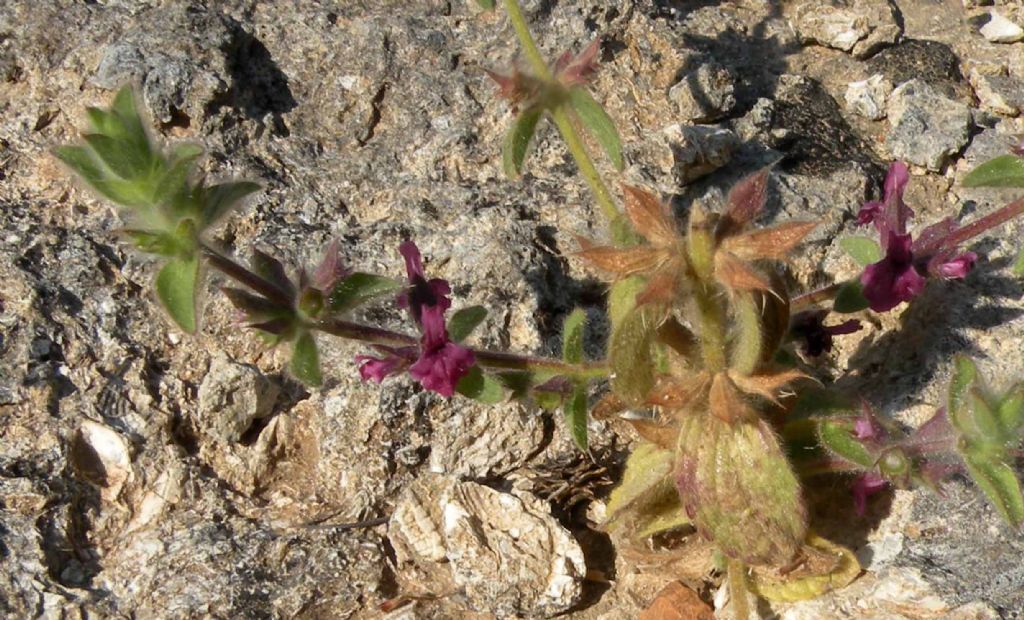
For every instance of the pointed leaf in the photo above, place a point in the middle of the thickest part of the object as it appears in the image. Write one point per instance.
(624, 262)
(480, 387)
(999, 483)
(1003, 171)
(463, 322)
(576, 416)
(572, 336)
(517, 141)
(359, 288)
(739, 490)
(746, 199)
(864, 250)
(271, 270)
(223, 197)
(174, 182)
(600, 125)
(646, 502)
(649, 216)
(622, 298)
(630, 355)
(176, 288)
(305, 363)
(768, 243)
(116, 157)
(738, 275)
(1011, 410)
(837, 437)
(254, 307)
(965, 372)
(81, 161)
(850, 298)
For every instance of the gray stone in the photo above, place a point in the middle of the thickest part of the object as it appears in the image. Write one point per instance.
(697, 150)
(705, 94)
(927, 128)
(861, 28)
(868, 97)
(231, 397)
(997, 91)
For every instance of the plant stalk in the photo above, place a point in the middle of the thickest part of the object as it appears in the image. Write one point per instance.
(738, 589)
(560, 116)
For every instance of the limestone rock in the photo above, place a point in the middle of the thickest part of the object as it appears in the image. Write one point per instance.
(231, 396)
(705, 94)
(927, 128)
(997, 91)
(507, 554)
(861, 28)
(868, 97)
(697, 150)
(999, 29)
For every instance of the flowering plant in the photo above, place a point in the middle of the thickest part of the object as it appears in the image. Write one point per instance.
(703, 332)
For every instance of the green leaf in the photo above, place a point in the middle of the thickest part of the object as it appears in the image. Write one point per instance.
(463, 322)
(739, 489)
(176, 288)
(576, 416)
(958, 406)
(600, 125)
(517, 141)
(1011, 410)
(220, 199)
(306, 360)
(632, 363)
(487, 5)
(572, 336)
(174, 182)
(622, 297)
(999, 483)
(647, 466)
(1003, 171)
(864, 250)
(480, 387)
(836, 567)
(548, 401)
(837, 437)
(1018, 266)
(116, 157)
(162, 244)
(134, 135)
(850, 298)
(359, 288)
(81, 161)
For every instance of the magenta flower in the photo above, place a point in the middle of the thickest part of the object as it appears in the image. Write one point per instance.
(438, 363)
(901, 274)
(864, 486)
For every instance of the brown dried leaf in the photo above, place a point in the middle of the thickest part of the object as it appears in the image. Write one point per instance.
(608, 407)
(649, 216)
(746, 199)
(677, 602)
(622, 262)
(675, 394)
(768, 243)
(661, 288)
(766, 386)
(662, 435)
(726, 403)
(738, 275)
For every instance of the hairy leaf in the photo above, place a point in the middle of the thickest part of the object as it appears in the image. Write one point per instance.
(220, 199)
(837, 437)
(646, 467)
(463, 322)
(600, 125)
(998, 480)
(115, 157)
(630, 355)
(306, 360)
(864, 250)
(745, 201)
(850, 298)
(572, 336)
(1003, 171)
(768, 243)
(480, 387)
(649, 216)
(176, 288)
(965, 372)
(359, 288)
(623, 262)
(576, 416)
(739, 490)
(517, 141)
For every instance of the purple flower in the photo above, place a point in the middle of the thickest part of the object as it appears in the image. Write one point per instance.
(901, 274)
(865, 485)
(438, 363)
(816, 337)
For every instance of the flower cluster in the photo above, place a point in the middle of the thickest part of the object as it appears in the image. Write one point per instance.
(437, 363)
(901, 274)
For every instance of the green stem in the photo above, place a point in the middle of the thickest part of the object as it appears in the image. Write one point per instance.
(560, 116)
(738, 589)
(711, 318)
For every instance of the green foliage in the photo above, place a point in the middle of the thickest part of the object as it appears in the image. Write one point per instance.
(837, 437)
(305, 363)
(631, 357)
(572, 336)
(596, 120)
(850, 298)
(1003, 171)
(463, 322)
(487, 5)
(997, 479)
(480, 387)
(864, 250)
(517, 141)
(359, 288)
(1018, 265)
(176, 289)
(576, 416)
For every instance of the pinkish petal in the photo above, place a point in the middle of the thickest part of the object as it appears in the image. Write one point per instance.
(330, 270)
(869, 213)
(413, 259)
(892, 280)
(377, 368)
(439, 369)
(955, 268)
(865, 485)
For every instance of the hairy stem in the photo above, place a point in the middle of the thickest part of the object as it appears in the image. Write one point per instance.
(815, 297)
(738, 589)
(712, 326)
(996, 218)
(561, 116)
(243, 275)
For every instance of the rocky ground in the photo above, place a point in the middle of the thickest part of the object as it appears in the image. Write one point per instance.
(146, 474)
